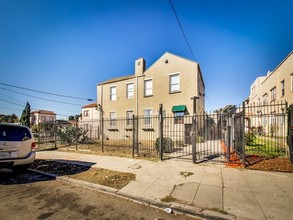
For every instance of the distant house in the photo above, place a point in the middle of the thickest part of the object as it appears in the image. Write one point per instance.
(42, 116)
(89, 120)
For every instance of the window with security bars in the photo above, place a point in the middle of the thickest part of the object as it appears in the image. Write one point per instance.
(129, 117)
(113, 118)
(147, 116)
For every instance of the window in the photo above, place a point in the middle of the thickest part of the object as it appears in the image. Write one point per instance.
(86, 113)
(147, 116)
(283, 88)
(179, 117)
(129, 115)
(86, 127)
(148, 87)
(265, 99)
(292, 82)
(43, 118)
(113, 93)
(273, 94)
(174, 83)
(51, 119)
(112, 118)
(130, 90)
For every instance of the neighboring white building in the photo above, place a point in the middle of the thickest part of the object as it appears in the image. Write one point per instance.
(42, 116)
(89, 120)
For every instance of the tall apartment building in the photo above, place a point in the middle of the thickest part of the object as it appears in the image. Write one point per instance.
(171, 81)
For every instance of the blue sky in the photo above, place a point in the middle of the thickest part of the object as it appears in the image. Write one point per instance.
(67, 47)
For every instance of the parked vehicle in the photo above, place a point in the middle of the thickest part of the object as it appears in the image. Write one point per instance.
(17, 146)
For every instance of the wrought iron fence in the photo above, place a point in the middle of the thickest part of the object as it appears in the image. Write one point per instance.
(242, 131)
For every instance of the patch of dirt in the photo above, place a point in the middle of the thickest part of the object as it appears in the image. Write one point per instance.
(275, 164)
(100, 176)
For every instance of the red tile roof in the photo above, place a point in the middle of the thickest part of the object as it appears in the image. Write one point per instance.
(43, 112)
(90, 105)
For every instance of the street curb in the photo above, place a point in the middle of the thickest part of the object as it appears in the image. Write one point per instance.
(176, 207)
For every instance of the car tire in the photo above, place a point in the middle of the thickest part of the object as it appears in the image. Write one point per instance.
(21, 168)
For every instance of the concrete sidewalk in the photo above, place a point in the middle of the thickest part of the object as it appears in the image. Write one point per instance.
(245, 194)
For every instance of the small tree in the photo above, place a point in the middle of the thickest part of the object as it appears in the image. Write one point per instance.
(25, 117)
(71, 118)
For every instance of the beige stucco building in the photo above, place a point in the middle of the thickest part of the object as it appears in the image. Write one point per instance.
(172, 81)
(276, 86)
(269, 97)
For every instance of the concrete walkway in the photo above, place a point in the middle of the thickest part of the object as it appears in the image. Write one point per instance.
(245, 194)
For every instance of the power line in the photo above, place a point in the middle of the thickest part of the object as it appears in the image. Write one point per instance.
(48, 93)
(50, 100)
(181, 28)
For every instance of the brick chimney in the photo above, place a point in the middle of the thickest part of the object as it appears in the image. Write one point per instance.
(140, 66)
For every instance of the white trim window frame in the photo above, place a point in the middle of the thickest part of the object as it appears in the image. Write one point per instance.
(291, 82)
(174, 82)
(282, 88)
(148, 87)
(129, 117)
(130, 90)
(148, 113)
(113, 118)
(113, 93)
(273, 94)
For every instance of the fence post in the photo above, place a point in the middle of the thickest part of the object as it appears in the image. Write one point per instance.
(102, 131)
(76, 134)
(55, 134)
(243, 136)
(290, 132)
(133, 135)
(161, 132)
(229, 140)
(194, 130)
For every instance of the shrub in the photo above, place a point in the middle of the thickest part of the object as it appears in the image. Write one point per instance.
(167, 145)
(249, 138)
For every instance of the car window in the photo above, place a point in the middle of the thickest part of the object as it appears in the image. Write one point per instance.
(14, 133)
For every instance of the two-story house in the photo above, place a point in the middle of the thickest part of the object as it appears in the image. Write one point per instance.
(42, 116)
(171, 80)
(89, 120)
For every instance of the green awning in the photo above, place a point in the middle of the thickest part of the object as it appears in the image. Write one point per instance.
(179, 108)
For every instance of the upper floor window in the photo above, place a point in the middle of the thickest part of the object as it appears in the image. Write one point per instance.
(113, 93)
(43, 118)
(174, 83)
(265, 98)
(113, 117)
(148, 87)
(273, 94)
(130, 90)
(85, 113)
(147, 116)
(51, 119)
(283, 88)
(292, 82)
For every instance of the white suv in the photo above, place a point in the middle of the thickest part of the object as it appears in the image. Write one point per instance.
(17, 146)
